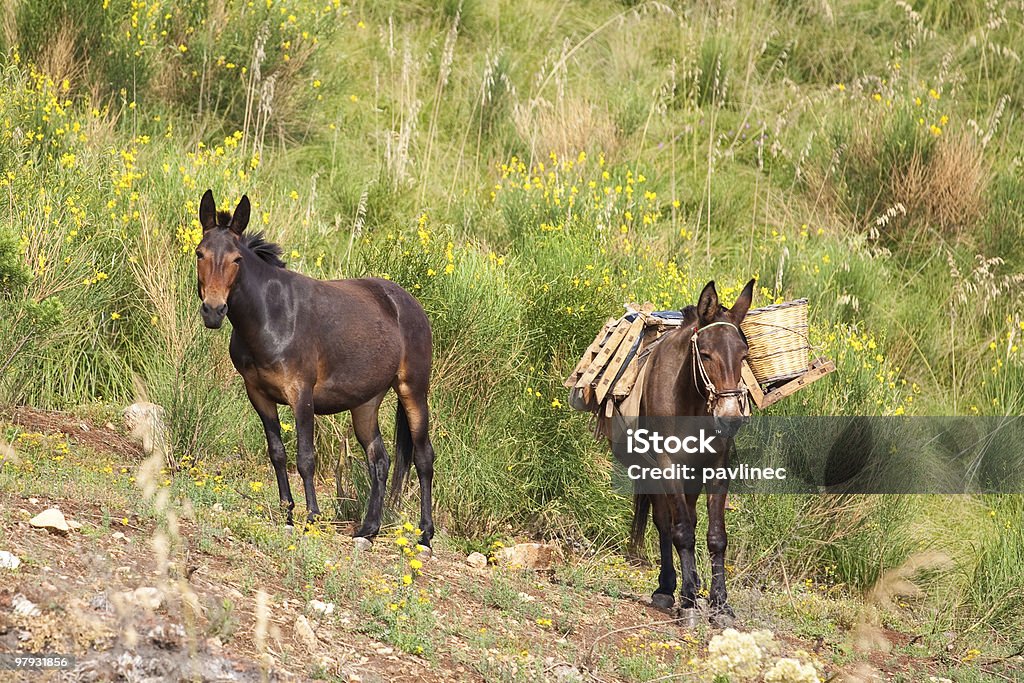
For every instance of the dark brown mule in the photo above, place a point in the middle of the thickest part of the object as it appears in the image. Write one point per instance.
(699, 378)
(321, 347)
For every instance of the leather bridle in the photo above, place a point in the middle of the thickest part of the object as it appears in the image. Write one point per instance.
(711, 393)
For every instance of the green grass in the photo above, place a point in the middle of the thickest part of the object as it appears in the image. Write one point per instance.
(524, 170)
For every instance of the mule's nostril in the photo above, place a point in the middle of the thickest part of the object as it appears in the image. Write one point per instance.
(222, 309)
(205, 307)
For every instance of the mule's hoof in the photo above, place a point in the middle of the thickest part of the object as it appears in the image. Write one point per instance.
(723, 617)
(424, 553)
(662, 601)
(362, 543)
(689, 617)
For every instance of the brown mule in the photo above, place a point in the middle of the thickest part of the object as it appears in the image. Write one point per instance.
(321, 347)
(695, 377)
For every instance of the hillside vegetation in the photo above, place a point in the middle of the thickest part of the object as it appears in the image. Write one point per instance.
(525, 168)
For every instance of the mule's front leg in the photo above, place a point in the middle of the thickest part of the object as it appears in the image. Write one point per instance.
(305, 457)
(267, 410)
(717, 543)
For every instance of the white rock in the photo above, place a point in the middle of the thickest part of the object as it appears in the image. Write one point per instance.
(477, 560)
(362, 543)
(9, 560)
(305, 635)
(146, 597)
(24, 607)
(51, 519)
(324, 609)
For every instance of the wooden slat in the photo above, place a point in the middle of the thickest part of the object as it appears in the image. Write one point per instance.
(632, 334)
(602, 357)
(819, 369)
(628, 379)
(588, 355)
(752, 385)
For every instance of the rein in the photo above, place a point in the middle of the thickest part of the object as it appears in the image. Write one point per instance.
(711, 394)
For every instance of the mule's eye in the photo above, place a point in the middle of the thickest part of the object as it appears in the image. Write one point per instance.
(705, 356)
(199, 255)
(238, 259)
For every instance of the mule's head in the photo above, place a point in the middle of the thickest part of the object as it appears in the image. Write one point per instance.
(719, 350)
(219, 256)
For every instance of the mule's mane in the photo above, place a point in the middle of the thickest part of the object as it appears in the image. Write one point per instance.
(268, 251)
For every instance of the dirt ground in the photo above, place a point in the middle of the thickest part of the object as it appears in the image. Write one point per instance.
(225, 608)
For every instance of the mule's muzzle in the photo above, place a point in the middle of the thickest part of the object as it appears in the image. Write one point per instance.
(728, 425)
(213, 316)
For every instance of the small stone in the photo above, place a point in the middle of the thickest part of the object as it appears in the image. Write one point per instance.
(385, 651)
(9, 560)
(689, 618)
(118, 536)
(305, 635)
(214, 645)
(24, 607)
(52, 520)
(167, 637)
(529, 555)
(565, 673)
(146, 597)
(363, 544)
(323, 609)
(100, 603)
(477, 560)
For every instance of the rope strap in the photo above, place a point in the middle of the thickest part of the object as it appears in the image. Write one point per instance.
(713, 393)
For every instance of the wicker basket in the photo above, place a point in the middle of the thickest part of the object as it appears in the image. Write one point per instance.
(777, 341)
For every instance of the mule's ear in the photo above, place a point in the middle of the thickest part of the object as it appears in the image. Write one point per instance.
(240, 218)
(208, 211)
(707, 304)
(742, 305)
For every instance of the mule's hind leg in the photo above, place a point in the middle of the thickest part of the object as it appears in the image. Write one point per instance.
(684, 532)
(267, 410)
(367, 428)
(417, 417)
(665, 595)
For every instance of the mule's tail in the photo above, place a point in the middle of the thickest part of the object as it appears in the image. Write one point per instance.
(403, 453)
(641, 512)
